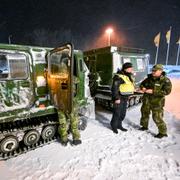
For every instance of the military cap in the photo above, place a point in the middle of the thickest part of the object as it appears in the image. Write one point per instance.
(157, 67)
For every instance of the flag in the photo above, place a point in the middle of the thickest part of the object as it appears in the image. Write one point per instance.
(168, 36)
(178, 42)
(157, 39)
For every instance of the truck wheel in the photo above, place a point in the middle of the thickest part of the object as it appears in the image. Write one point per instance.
(131, 102)
(137, 100)
(31, 137)
(48, 132)
(9, 144)
(82, 123)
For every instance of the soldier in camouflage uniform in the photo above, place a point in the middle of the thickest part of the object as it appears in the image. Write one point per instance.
(64, 127)
(155, 87)
(69, 122)
(72, 125)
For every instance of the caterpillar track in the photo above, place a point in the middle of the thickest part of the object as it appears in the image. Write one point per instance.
(26, 135)
(103, 97)
(24, 149)
(107, 103)
(44, 127)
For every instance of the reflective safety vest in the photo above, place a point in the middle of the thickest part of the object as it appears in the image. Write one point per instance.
(127, 88)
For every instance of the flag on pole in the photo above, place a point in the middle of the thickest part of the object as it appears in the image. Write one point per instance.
(156, 42)
(168, 36)
(178, 42)
(157, 39)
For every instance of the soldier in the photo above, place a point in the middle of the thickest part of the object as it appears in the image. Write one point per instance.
(155, 87)
(73, 127)
(122, 87)
(69, 122)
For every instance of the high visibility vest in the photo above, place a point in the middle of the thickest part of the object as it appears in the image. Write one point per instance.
(127, 88)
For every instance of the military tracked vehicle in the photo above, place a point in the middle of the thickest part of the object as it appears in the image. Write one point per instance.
(103, 63)
(35, 82)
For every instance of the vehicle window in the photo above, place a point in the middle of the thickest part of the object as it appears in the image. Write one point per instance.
(4, 69)
(137, 62)
(140, 64)
(126, 59)
(18, 66)
(59, 63)
(134, 63)
(13, 66)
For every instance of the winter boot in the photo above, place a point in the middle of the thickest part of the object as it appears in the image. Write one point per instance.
(76, 142)
(159, 135)
(122, 129)
(143, 128)
(113, 128)
(64, 143)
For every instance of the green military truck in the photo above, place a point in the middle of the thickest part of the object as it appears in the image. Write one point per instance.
(103, 63)
(35, 82)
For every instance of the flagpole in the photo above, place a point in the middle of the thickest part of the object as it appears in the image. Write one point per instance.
(157, 51)
(178, 54)
(167, 54)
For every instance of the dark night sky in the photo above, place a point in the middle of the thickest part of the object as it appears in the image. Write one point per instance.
(136, 22)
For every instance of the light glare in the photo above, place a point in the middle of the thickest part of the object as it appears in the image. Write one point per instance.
(109, 30)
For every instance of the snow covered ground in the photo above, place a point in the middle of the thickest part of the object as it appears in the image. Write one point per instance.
(103, 155)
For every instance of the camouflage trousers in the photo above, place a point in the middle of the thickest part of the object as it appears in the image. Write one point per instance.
(157, 115)
(65, 126)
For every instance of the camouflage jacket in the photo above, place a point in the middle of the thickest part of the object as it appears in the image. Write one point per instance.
(161, 87)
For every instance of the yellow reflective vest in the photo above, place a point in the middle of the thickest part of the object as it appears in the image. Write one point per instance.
(126, 88)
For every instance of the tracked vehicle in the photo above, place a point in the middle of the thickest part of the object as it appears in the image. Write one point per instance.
(35, 83)
(103, 63)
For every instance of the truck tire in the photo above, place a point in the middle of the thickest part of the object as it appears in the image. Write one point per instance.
(31, 137)
(9, 144)
(137, 100)
(131, 101)
(48, 132)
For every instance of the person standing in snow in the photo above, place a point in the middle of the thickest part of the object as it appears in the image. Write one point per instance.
(73, 126)
(155, 87)
(122, 87)
(68, 123)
